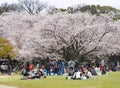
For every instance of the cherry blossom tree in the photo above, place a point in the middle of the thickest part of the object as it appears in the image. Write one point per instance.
(69, 36)
(18, 28)
(80, 34)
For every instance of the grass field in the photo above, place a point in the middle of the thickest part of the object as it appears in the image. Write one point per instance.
(105, 81)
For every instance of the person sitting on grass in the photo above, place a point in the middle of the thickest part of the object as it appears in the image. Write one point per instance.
(36, 74)
(70, 75)
(78, 74)
(88, 74)
(24, 72)
(93, 71)
(30, 75)
(103, 71)
(42, 72)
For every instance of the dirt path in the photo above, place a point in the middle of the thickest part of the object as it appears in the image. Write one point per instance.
(2, 86)
(4, 76)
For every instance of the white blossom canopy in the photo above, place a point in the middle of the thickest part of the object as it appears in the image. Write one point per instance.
(35, 36)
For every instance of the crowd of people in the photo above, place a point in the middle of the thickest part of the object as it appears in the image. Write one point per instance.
(71, 69)
(51, 68)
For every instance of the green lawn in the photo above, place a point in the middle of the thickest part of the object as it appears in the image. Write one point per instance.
(106, 81)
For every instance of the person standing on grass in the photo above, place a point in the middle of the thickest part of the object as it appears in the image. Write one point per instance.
(2, 68)
(48, 68)
(9, 69)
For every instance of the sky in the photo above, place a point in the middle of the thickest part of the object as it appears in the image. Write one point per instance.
(66, 3)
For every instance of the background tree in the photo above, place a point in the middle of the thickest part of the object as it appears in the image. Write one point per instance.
(97, 9)
(117, 17)
(5, 7)
(6, 49)
(32, 6)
